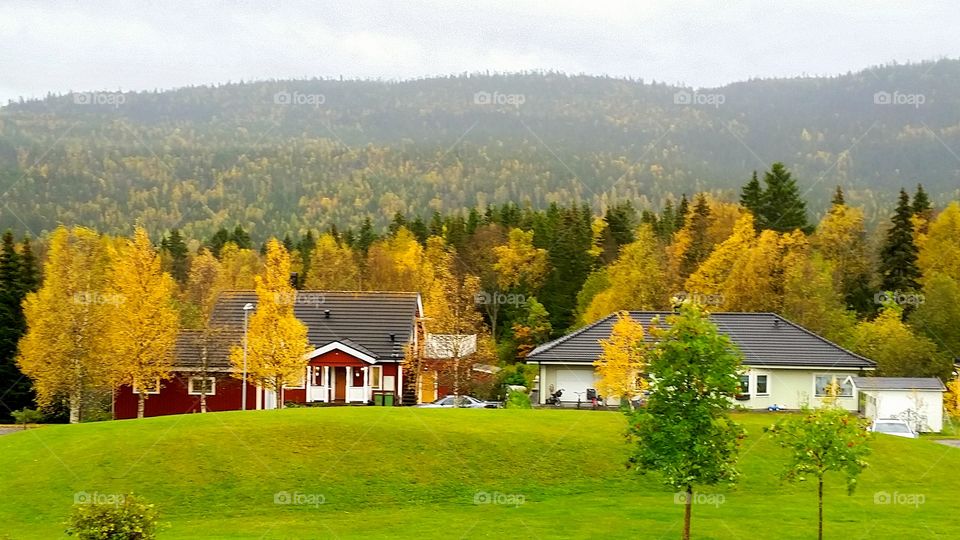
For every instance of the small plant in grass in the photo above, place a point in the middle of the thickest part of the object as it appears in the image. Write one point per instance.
(823, 440)
(129, 519)
(685, 432)
(27, 416)
(517, 400)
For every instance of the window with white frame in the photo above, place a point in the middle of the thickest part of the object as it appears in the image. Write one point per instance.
(150, 391)
(202, 385)
(762, 385)
(744, 384)
(375, 373)
(823, 382)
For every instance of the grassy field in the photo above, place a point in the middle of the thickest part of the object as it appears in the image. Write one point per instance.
(419, 473)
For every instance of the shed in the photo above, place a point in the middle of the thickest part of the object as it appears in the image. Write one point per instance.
(917, 400)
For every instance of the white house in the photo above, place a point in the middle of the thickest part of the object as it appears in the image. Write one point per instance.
(917, 400)
(784, 364)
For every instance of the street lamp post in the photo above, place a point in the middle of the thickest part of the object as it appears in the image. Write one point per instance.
(243, 386)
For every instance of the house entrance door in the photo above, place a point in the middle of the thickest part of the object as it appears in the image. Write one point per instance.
(340, 384)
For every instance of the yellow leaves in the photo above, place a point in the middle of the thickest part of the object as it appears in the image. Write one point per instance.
(636, 278)
(276, 339)
(238, 267)
(519, 263)
(940, 249)
(710, 277)
(143, 326)
(951, 400)
(621, 365)
(395, 263)
(332, 267)
(66, 319)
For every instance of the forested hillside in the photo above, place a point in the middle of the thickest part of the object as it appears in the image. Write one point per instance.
(292, 156)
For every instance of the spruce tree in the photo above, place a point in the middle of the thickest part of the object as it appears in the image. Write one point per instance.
(221, 237)
(699, 248)
(922, 209)
(751, 198)
(782, 209)
(366, 237)
(837, 197)
(241, 238)
(177, 248)
(898, 258)
(18, 276)
(682, 210)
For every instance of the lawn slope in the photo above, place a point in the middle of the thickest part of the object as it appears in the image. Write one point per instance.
(401, 473)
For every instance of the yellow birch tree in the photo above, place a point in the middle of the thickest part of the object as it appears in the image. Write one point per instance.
(622, 363)
(143, 328)
(66, 319)
(276, 339)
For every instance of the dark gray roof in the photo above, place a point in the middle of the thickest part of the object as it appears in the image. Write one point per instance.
(899, 383)
(363, 320)
(765, 339)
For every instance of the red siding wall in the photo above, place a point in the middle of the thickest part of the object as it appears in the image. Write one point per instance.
(174, 398)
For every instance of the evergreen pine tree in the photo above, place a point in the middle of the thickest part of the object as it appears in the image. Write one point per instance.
(177, 248)
(420, 230)
(751, 198)
(16, 276)
(837, 197)
(399, 220)
(898, 258)
(782, 209)
(366, 236)
(699, 248)
(682, 209)
(241, 238)
(922, 209)
(219, 238)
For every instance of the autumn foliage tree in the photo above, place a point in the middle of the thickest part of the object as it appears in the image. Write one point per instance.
(63, 351)
(622, 363)
(276, 339)
(143, 326)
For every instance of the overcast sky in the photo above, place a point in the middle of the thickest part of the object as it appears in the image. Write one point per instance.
(75, 45)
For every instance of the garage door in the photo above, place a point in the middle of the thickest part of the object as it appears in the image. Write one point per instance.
(573, 380)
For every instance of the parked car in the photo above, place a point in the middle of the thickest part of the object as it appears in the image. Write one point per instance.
(894, 426)
(466, 402)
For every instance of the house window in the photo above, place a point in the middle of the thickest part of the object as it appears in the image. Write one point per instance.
(744, 384)
(821, 382)
(375, 373)
(202, 385)
(150, 391)
(762, 385)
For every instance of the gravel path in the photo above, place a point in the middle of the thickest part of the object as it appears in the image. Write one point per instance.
(4, 431)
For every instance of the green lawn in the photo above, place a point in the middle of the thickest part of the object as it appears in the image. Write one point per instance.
(416, 473)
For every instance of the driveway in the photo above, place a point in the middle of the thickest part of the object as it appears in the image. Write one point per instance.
(950, 442)
(5, 430)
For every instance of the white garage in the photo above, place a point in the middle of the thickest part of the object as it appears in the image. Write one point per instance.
(571, 379)
(919, 401)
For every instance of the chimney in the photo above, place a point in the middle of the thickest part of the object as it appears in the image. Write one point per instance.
(294, 280)
(326, 314)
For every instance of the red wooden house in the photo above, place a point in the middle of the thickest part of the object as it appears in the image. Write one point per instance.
(358, 340)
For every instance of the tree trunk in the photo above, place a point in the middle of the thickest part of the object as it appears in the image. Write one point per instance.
(203, 400)
(688, 506)
(820, 509)
(141, 402)
(280, 393)
(75, 400)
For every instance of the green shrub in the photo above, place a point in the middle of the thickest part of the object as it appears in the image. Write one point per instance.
(27, 416)
(129, 519)
(517, 400)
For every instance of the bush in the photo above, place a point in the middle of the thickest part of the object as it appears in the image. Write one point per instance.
(517, 400)
(130, 519)
(27, 416)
